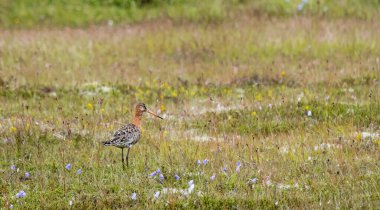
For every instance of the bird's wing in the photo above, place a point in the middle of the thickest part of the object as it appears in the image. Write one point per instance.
(127, 133)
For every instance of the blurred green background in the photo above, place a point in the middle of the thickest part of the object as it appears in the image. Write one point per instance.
(79, 13)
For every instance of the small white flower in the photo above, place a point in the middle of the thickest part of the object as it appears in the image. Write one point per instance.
(309, 113)
(191, 188)
(110, 22)
(71, 202)
(300, 7)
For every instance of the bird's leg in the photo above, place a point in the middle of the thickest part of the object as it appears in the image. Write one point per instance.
(126, 157)
(122, 156)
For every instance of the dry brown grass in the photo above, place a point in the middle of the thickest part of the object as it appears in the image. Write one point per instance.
(329, 50)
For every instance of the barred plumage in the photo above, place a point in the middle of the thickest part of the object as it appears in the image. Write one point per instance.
(124, 137)
(129, 135)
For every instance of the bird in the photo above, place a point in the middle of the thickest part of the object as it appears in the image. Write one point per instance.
(129, 135)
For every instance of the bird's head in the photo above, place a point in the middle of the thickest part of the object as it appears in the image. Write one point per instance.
(141, 108)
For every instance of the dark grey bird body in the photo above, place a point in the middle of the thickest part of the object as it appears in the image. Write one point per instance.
(126, 136)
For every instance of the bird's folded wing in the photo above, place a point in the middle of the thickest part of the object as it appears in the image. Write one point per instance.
(125, 133)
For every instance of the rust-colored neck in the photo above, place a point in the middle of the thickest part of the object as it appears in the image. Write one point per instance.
(137, 119)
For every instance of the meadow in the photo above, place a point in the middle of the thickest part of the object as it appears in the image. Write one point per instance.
(266, 105)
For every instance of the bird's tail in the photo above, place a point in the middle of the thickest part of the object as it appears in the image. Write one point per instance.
(106, 143)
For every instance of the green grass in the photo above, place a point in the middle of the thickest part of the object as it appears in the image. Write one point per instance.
(64, 90)
(28, 13)
(277, 144)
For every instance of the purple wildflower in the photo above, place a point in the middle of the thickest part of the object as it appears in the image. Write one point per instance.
(176, 177)
(79, 171)
(162, 177)
(68, 166)
(254, 180)
(153, 174)
(205, 161)
(134, 196)
(21, 194)
(212, 177)
(238, 164)
(27, 175)
(199, 162)
(13, 167)
(156, 194)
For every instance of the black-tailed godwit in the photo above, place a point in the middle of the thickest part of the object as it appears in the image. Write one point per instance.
(129, 134)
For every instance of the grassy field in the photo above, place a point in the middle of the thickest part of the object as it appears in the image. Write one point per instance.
(32, 14)
(265, 106)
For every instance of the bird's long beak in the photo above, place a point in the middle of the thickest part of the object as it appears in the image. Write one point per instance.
(154, 114)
